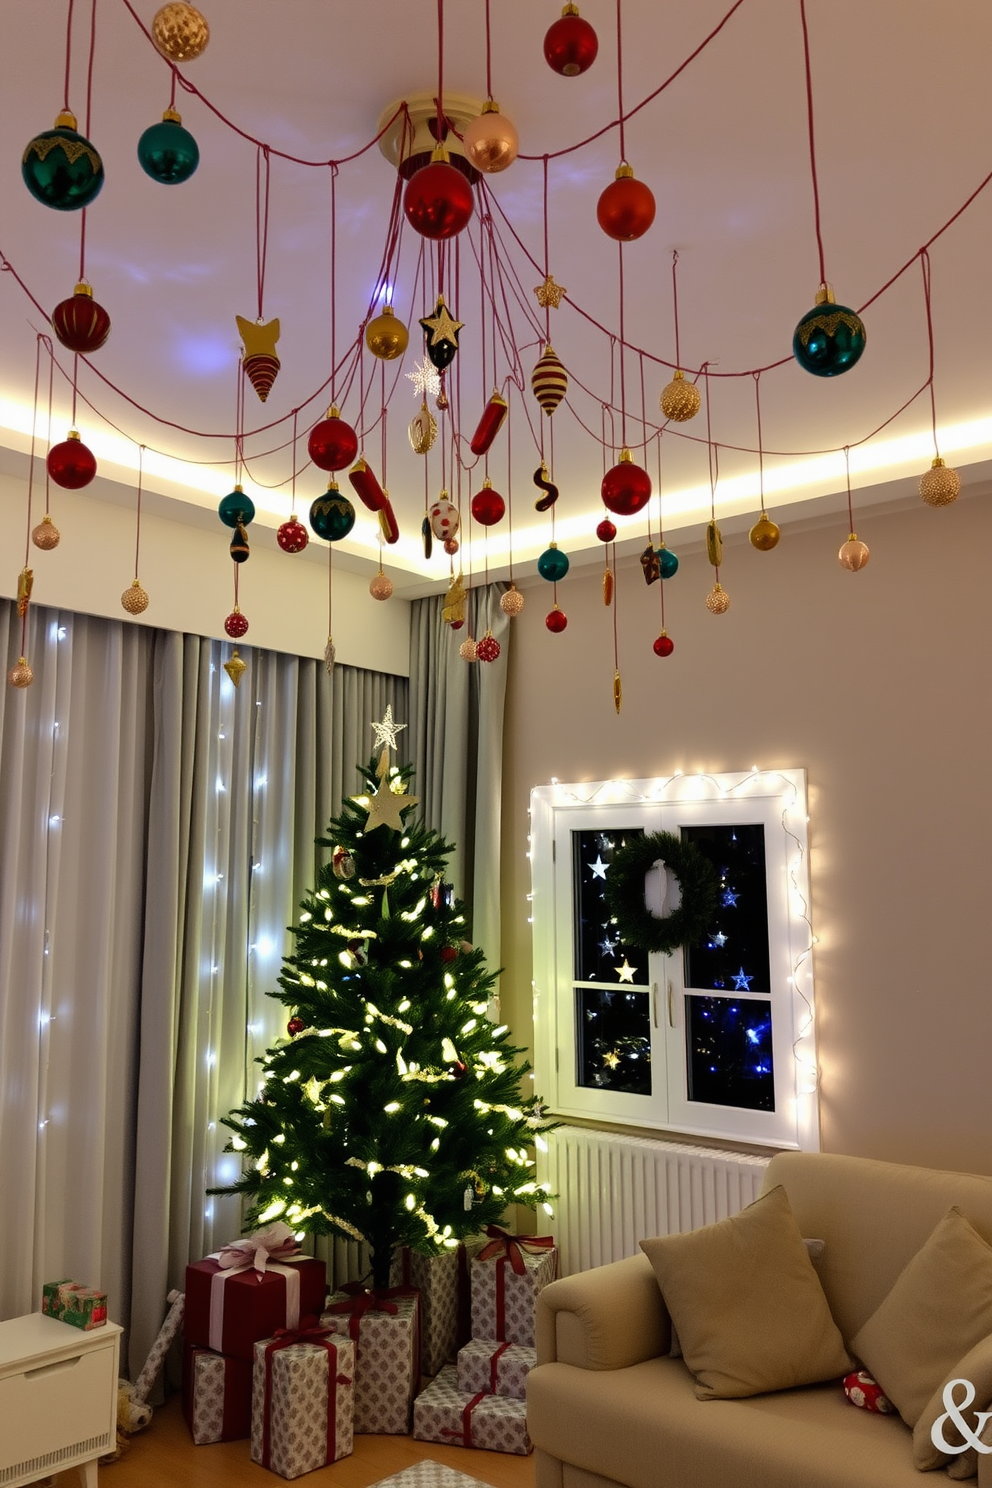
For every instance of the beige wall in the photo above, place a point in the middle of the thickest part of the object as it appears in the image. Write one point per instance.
(878, 684)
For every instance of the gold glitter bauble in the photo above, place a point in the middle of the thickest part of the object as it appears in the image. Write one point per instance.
(853, 554)
(381, 586)
(718, 600)
(512, 602)
(46, 535)
(134, 599)
(764, 535)
(180, 32)
(386, 337)
(20, 675)
(235, 668)
(680, 400)
(467, 650)
(940, 485)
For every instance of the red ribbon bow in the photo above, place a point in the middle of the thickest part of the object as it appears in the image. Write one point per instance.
(502, 1243)
(362, 1299)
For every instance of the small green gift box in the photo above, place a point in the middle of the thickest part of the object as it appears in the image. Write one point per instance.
(71, 1302)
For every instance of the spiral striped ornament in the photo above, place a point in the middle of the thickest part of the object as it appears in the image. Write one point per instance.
(549, 380)
(260, 369)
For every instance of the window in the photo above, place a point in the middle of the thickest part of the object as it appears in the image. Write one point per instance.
(716, 1038)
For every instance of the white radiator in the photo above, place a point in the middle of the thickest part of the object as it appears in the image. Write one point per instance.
(614, 1191)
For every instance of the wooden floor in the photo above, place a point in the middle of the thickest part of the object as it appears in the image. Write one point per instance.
(163, 1456)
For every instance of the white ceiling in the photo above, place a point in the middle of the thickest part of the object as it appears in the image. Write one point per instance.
(903, 112)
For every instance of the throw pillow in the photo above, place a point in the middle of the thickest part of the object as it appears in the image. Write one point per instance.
(939, 1307)
(976, 1368)
(747, 1305)
(814, 1249)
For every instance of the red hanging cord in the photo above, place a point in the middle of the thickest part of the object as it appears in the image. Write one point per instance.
(761, 451)
(261, 220)
(137, 521)
(847, 472)
(292, 494)
(89, 69)
(440, 72)
(623, 145)
(547, 255)
(334, 270)
(675, 306)
(623, 385)
(489, 56)
(48, 434)
(925, 266)
(68, 57)
(812, 142)
(34, 421)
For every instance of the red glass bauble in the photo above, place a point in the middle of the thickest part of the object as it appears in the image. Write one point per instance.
(556, 621)
(488, 506)
(292, 536)
(80, 323)
(606, 531)
(236, 625)
(333, 444)
(71, 464)
(626, 487)
(487, 649)
(295, 1025)
(449, 953)
(626, 208)
(438, 200)
(664, 645)
(570, 45)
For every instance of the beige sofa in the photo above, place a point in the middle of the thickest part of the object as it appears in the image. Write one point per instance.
(606, 1405)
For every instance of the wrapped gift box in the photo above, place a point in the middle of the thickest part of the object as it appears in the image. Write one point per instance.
(230, 1310)
(443, 1413)
(302, 1403)
(506, 1286)
(498, 1368)
(71, 1302)
(386, 1332)
(216, 1396)
(442, 1281)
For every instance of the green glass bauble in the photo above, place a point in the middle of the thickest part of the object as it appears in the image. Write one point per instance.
(668, 564)
(61, 169)
(552, 564)
(167, 152)
(830, 338)
(236, 508)
(332, 515)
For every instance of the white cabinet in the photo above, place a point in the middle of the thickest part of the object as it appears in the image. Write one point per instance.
(58, 1398)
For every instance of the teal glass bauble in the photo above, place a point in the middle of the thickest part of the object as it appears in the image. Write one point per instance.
(167, 152)
(332, 515)
(553, 564)
(830, 338)
(61, 168)
(667, 562)
(236, 508)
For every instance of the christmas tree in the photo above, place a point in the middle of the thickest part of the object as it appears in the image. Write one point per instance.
(393, 1111)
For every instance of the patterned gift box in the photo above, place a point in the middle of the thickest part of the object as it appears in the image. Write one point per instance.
(229, 1310)
(216, 1396)
(443, 1413)
(498, 1368)
(302, 1402)
(386, 1331)
(442, 1281)
(508, 1275)
(71, 1302)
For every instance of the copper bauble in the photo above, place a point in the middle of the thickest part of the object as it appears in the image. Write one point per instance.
(680, 400)
(512, 602)
(718, 600)
(626, 487)
(570, 44)
(467, 650)
(20, 675)
(134, 599)
(46, 535)
(438, 199)
(491, 142)
(853, 554)
(180, 32)
(764, 535)
(626, 208)
(79, 322)
(940, 485)
(381, 586)
(386, 337)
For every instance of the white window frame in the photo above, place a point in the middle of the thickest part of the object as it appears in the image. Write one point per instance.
(778, 800)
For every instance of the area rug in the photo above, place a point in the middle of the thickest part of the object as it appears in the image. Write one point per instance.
(430, 1475)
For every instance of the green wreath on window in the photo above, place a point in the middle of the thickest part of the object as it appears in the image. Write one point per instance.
(698, 883)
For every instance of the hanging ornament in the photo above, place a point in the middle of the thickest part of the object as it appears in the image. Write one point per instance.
(444, 518)
(488, 648)
(79, 322)
(714, 544)
(488, 506)
(261, 363)
(606, 530)
(387, 520)
(236, 624)
(438, 199)
(61, 169)
(332, 515)
(492, 420)
(450, 545)
(571, 44)
(427, 536)
(550, 294)
(546, 502)
(442, 398)
(453, 609)
(25, 583)
(135, 599)
(294, 1026)
(239, 549)
(765, 533)
(667, 562)
(853, 554)
(549, 380)
(367, 486)
(235, 668)
(426, 380)
(617, 692)
(330, 655)
(332, 444)
(71, 464)
(46, 535)
(491, 142)
(236, 509)
(651, 565)
(553, 564)
(381, 586)
(830, 338)
(467, 650)
(20, 675)
(180, 31)
(940, 485)
(342, 864)
(167, 152)
(626, 487)
(441, 331)
(292, 536)
(718, 600)
(512, 601)
(556, 620)
(386, 337)
(608, 587)
(422, 431)
(664, 645)
(626, 208)
(680, 400)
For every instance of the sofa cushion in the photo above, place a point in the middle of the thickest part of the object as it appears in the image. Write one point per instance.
(976, 1367)
(744, 1297)
(939, 1307)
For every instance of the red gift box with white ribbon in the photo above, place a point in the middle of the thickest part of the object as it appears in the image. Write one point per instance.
(250, 1288)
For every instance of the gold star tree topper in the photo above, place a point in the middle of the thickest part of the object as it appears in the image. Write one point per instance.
(386, 806)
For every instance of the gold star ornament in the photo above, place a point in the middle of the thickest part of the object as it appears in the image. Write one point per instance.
(386, 731)
(386, 806)
(612, 1059)
(550, 293)
(441, 326)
